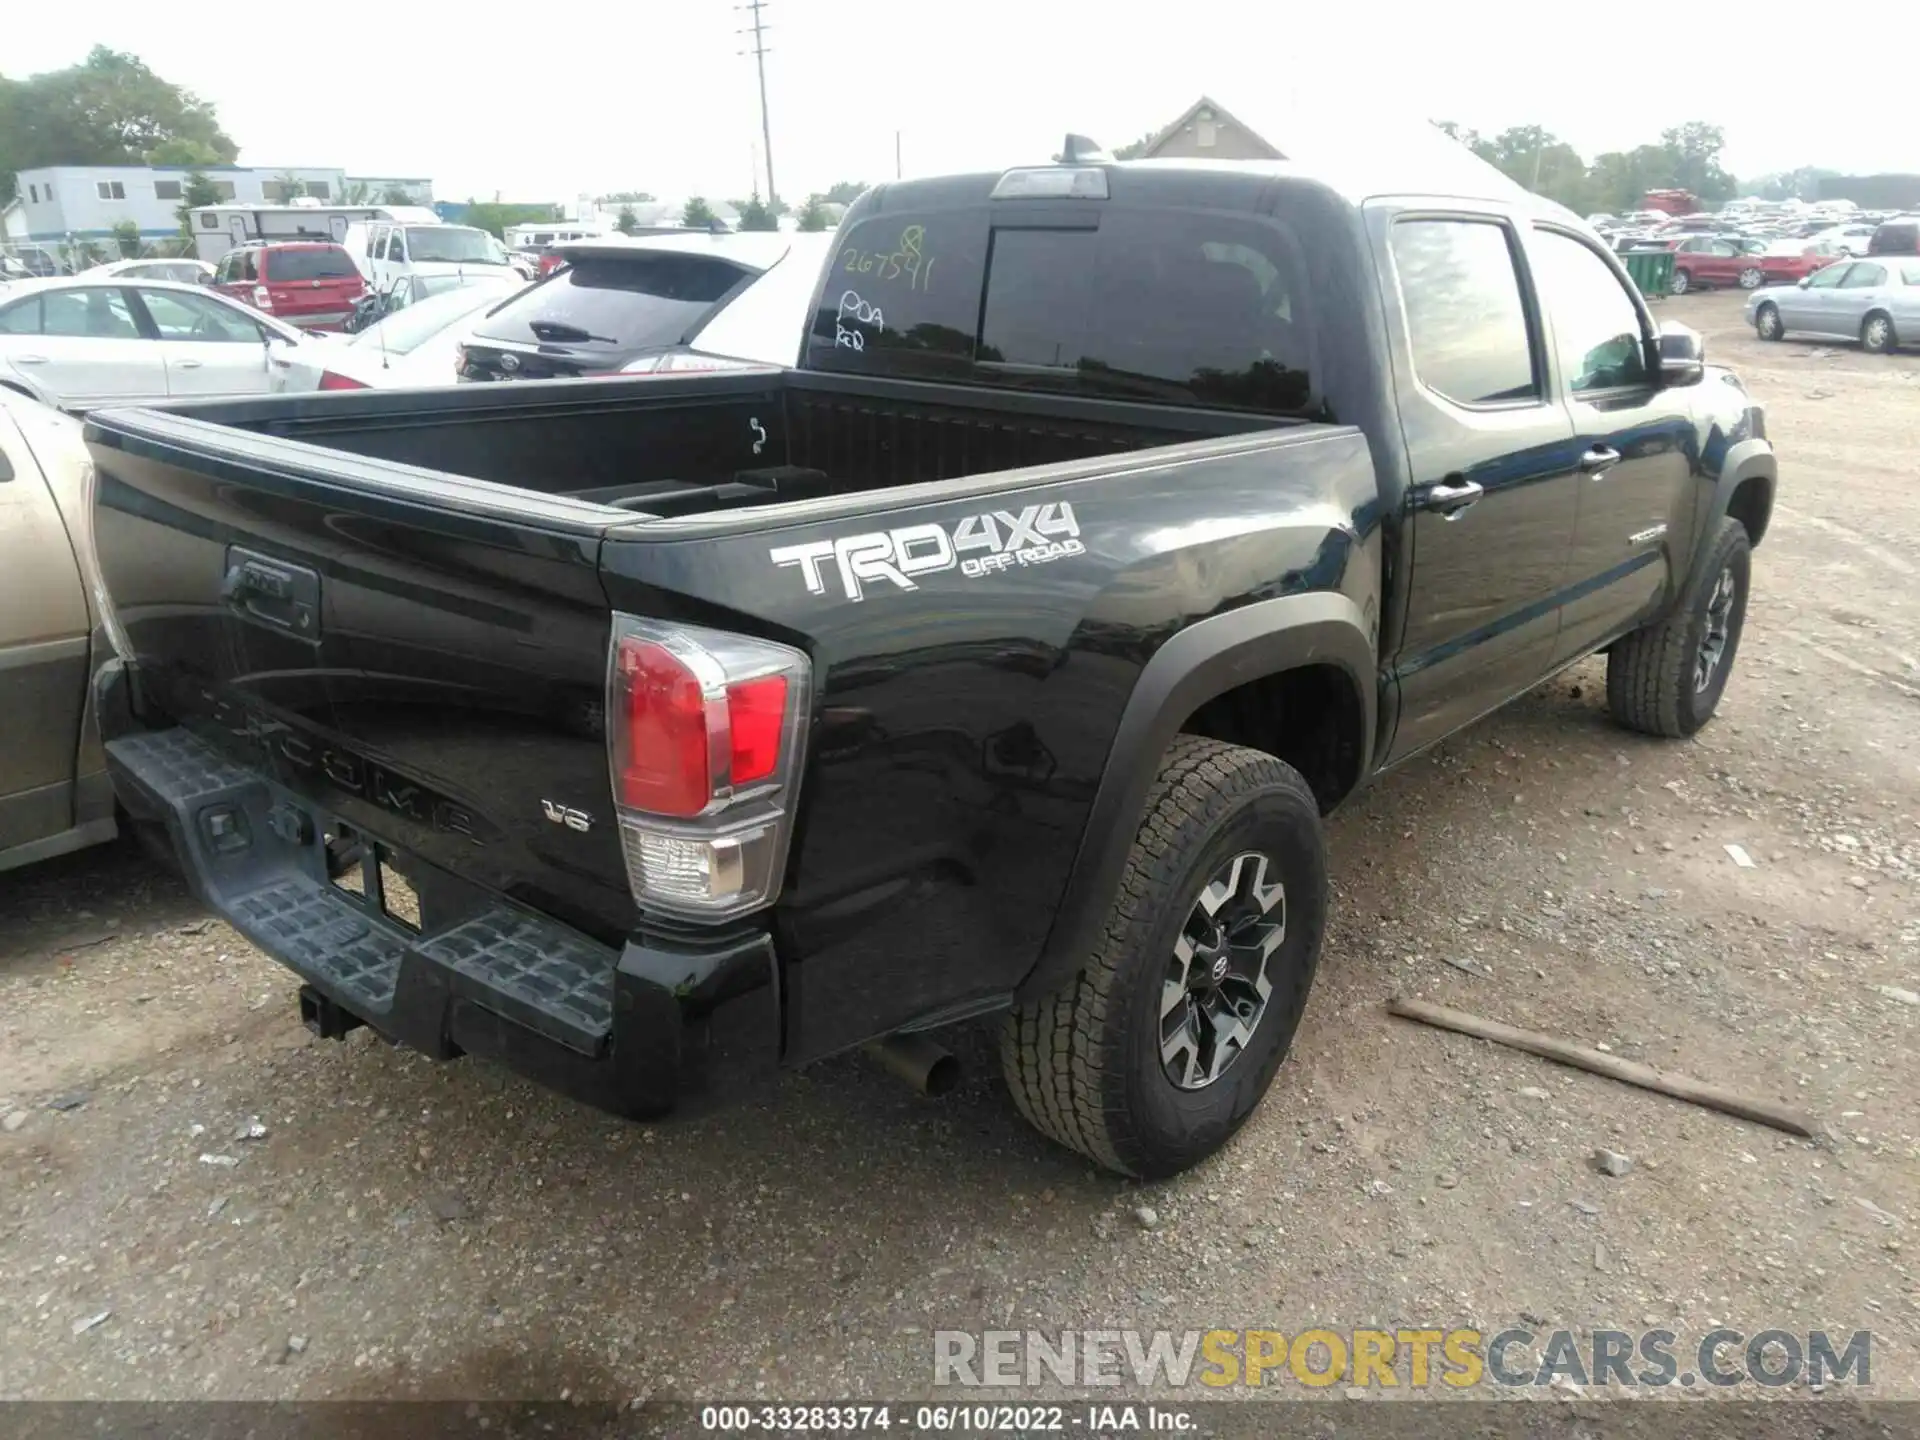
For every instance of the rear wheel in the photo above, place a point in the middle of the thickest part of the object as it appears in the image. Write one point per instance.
(1159, 1049)
(1877, 334)
(1682, 282)
(1751, 277)
(1766, 322)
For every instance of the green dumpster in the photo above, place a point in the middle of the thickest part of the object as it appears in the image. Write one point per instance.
(1651, 270)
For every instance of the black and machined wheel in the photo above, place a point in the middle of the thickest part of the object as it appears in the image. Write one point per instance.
(1159, 1049)
(1766, 321)
(1666, 678)
(1877, 335)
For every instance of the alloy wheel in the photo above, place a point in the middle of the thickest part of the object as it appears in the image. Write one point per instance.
(1216, 986)
(1713, 644)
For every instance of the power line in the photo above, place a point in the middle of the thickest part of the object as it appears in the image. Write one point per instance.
(759, 52)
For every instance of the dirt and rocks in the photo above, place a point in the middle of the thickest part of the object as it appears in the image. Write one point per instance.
(198, 1201)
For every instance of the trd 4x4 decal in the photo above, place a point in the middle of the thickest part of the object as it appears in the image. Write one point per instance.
(978, 545)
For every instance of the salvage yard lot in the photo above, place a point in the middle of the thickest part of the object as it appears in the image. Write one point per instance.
(403, 1228)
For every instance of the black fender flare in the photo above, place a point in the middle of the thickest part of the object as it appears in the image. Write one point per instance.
(1206, 659)
(1749, 460)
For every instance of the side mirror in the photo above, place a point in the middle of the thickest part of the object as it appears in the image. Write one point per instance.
(1805, 280)
(201, 277)
(1683, 355)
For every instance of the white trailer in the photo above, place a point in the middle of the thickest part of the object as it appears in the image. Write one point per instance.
(218, 228)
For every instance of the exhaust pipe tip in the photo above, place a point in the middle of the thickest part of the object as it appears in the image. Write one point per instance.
(931, 1069)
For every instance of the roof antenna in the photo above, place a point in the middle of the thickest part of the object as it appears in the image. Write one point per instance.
(1079, 150)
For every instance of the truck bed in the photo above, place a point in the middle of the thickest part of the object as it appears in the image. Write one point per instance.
(677, 446)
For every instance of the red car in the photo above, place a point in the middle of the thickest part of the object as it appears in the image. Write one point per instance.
(1791, 261)
(1702, 261)
(306, 283)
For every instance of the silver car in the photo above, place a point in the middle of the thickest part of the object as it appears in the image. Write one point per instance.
(1874, 301)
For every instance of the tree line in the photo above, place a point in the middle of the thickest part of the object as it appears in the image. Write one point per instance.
(110, 109)
(1687, 157)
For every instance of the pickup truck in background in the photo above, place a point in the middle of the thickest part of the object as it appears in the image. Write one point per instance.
(1120, 521)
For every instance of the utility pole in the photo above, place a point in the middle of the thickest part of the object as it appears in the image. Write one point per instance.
(759, 30)
(896, 154)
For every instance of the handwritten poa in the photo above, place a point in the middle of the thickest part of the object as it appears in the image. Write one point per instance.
(853, 308)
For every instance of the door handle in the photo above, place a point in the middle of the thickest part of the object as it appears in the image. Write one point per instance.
(186, 364)
(1451, 501)
(1600, 459)
(30, 359)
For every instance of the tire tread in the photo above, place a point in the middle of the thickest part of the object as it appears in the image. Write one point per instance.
(1649, 671)
(1059, 1052)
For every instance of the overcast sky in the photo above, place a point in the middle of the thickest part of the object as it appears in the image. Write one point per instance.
(544, 101)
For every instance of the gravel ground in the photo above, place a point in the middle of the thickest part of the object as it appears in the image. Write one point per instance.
(393, 1227)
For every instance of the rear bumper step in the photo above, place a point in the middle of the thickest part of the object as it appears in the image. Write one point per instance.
(632, 1030)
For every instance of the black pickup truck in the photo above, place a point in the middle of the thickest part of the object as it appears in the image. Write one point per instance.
(1117, 522)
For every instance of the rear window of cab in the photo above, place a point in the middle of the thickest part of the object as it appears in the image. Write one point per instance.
(1187, 307)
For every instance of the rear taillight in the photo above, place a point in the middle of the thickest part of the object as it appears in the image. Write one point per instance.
(333, 380)
(704, 737)
(262, 298)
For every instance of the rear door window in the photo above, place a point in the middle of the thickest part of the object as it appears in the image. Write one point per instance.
(289, 265)
(613, 305)
(1466, 317)
(93, 314)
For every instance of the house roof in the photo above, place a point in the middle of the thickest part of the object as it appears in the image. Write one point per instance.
(1362, 150)
(1220, 112)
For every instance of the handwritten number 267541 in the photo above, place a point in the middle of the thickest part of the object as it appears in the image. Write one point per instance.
(905, 261)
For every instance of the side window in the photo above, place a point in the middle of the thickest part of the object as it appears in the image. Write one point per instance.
(249, 264)
(1466, 318)
(376, 242)
(1830, 277)
(93, 314)
(397, 246)
(21, 318)
(193, 317)
(1596, 325)
(1725, 249)
(1864, 277)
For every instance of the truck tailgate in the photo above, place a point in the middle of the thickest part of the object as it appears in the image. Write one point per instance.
(426, 661)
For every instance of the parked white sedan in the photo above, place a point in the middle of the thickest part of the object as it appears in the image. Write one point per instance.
(414, 346)
(83, 342)
(186, 271)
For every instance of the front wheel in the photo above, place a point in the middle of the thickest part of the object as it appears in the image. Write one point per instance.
(1681, 283)
(1159, 1049)
(1666, 678)
(1766, 322)
(1750, 278)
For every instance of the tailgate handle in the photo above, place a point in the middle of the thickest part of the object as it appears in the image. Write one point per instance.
(273, 593)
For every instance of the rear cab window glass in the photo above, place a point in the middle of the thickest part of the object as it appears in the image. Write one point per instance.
(1466, 317)
(331, 264)
(608, 304)
(1189, 307)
